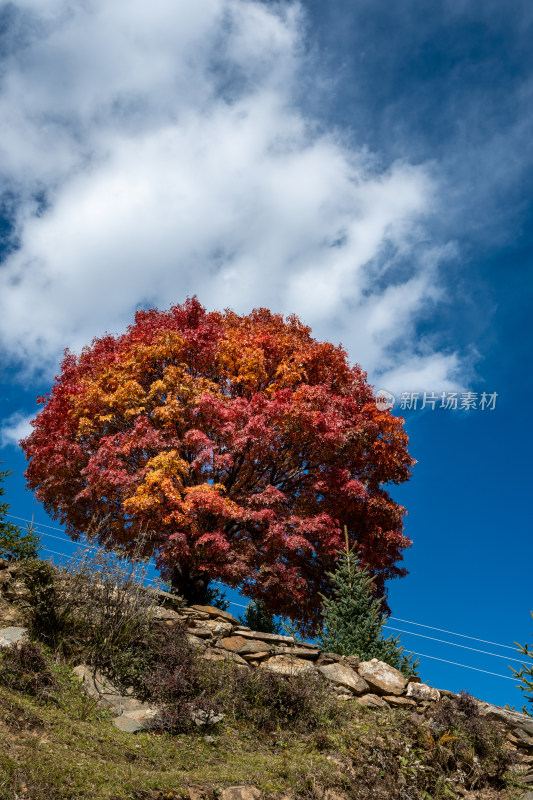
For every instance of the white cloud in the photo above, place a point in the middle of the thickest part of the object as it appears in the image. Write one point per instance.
(174, 157)
(14, 428)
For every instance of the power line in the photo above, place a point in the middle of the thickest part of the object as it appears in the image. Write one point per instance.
(423, 655)
(454, 644)
(441, 630)
(409, 622)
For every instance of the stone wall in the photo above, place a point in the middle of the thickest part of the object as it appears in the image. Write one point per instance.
(219, 636)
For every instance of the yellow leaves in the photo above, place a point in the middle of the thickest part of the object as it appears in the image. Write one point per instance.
(162, 484)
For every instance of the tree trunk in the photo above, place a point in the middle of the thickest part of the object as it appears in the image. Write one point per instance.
(192, 586)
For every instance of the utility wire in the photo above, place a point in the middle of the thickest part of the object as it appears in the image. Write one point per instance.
(454, 644)
(441, 630)
(423, 655)
(398, 619)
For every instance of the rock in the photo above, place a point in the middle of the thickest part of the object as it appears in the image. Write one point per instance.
(381, 677)
(345, 676)
(195, 641)
(527, 796)
(521, 739)
(108, 696)
(514, 720)
(299, 652)
(330, 658)
(203, 718)
(353, 661)
(168, 614)
(4, 563)
(287, 665)
(372, 701)
(10, 615)
(271, 638)
(219, 654)
(256, 656)
(421, 692)
(240, 793)
(16, 590)
(12, 635)
(200, 633)
(166, 599)
(127, 725)
(210, 740)
(211, 611)
(215, 627)
(242, 646)
(399, 702)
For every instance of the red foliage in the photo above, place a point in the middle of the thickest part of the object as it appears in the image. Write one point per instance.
(240, 443)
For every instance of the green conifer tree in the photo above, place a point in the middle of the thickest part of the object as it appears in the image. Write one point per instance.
(352, 620)
(15, 545)
(258, 618)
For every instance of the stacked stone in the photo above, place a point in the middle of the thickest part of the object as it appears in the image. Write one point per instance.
(219, 636)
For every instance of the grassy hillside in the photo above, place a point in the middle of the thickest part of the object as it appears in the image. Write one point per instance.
(288, 736)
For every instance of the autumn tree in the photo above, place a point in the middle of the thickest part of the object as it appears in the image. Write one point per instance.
(240, 444)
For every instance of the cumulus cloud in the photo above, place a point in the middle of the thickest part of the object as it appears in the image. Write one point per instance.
(153, 152)
(14, 428)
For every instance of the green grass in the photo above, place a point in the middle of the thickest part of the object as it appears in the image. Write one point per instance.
(67, 748)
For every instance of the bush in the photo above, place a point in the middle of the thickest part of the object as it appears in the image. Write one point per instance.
(24, 668)
(295, 702)
(468, 740)
(93, 608)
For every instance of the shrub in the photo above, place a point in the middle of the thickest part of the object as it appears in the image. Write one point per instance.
(24, 668)
(95, 607)
(470, 740)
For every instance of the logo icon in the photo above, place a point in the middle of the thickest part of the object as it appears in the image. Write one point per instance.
(384, 400)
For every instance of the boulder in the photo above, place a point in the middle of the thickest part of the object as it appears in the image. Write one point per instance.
(215, 627)
(205, 719)
(219, 654)
(287, 665)
(514, 720)
(242, 646)
(372, 701)
(345, 676)
(396, 701)
(299, 652)
(382, 678)
(271, 638)
(12, 635)
(130, 714)
(211, 611)
(200, 633)
(421, 692)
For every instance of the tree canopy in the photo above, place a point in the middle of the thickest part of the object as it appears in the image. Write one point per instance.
(239, 445)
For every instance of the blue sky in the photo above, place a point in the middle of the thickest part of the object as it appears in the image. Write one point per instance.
(365, 165)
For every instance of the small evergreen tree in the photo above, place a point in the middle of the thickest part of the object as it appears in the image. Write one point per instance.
(525, 675)
(258, 618)
(15, 545)
(352, 620)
